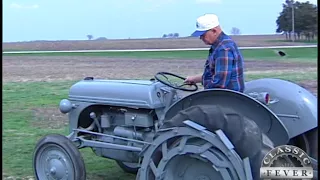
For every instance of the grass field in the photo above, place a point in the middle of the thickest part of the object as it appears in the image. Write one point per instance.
(34, 85)
(248, 53)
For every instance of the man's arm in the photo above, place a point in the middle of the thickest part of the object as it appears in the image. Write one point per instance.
(223, 68)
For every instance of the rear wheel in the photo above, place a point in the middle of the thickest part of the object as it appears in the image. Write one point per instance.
(198, 155)
(56, 157)
(308, 142)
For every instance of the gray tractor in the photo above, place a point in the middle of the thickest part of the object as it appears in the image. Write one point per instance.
(150, 128)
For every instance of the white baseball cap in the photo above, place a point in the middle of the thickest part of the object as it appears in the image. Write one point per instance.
(205, 23)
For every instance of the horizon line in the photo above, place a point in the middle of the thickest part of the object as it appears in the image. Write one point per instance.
(115, 39)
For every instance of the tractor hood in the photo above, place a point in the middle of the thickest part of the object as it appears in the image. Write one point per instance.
(124, 93)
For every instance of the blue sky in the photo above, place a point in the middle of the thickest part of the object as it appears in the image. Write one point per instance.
(25, 20)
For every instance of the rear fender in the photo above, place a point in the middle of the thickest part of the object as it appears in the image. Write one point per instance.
(242, 104)
(295, 106)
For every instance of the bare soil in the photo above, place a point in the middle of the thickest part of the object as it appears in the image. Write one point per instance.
(47, 68)
(152, 43)
(311, 85)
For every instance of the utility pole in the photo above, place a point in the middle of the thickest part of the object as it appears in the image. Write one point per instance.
(292, 5)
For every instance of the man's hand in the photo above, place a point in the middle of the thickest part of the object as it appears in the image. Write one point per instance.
(193, 79)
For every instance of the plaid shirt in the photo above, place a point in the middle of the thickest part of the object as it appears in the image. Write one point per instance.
(224, 66)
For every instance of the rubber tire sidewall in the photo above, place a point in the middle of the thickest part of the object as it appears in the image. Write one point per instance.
(312, 137)
(126, 168)
(261, 143)
(72, 151)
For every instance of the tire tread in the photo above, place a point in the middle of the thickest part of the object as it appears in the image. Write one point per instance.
(243, 132)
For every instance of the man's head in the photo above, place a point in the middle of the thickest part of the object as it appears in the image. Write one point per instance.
(207, 28)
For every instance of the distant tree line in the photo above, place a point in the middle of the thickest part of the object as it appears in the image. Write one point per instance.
(171, 35)
(235, 31)
(305, 17)
(90, 37)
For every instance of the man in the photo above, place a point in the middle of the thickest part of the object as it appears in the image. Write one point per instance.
(224, 65)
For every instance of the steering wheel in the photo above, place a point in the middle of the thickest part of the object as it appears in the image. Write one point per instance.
(175, 85)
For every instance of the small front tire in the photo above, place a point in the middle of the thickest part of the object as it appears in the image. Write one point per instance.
(131, 168)
(56, 157)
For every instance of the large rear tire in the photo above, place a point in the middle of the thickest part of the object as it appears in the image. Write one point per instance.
(312, 137)
(308, 142)
(243, 132)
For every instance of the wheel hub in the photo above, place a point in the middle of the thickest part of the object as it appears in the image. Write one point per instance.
(54, 163)
(57, 168)
(53, 171)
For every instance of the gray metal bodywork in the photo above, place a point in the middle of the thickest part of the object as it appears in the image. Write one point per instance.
(133, 94)
(294, 106)
(292, 111)
(124, 93)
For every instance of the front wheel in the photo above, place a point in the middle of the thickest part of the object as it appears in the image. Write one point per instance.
(56, 157)
(131, 168)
